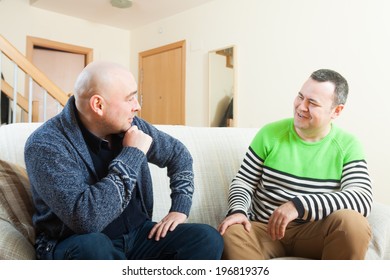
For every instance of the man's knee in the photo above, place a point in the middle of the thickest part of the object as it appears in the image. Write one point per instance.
(92, 246)
(210, 236)
(199, 241)
(348, 221)
(351, 231)
(233, 234)
(239, 245)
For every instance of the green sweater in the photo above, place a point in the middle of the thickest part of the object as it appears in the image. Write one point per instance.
(318, 177)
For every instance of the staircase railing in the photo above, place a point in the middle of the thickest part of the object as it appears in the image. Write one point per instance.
(22, 103)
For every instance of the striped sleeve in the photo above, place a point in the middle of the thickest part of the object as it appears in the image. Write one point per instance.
(355, 193)
(244, 185)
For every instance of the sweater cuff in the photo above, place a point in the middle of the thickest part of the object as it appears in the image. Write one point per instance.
(299, 206)
(236, 212)
(182, 204)
(131, 157)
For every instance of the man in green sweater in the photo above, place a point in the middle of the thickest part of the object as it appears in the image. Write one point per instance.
(303, 188)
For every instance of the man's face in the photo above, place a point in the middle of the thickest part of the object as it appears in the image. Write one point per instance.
(314, 110)
(122, 103)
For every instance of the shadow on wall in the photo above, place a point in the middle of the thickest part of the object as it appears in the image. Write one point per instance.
(227, 118)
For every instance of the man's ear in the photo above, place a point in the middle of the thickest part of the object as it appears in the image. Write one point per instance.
(96, 102)
(337, 111)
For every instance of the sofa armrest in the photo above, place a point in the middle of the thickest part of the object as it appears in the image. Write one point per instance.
(379, 220)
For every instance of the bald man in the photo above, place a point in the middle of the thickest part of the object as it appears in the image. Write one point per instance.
(91, 184)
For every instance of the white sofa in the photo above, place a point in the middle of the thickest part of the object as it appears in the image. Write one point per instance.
(217, 154)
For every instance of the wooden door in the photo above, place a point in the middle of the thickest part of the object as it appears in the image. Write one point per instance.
(162, 84)
(61, 63)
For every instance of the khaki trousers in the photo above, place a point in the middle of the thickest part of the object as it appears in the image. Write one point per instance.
(343, 235)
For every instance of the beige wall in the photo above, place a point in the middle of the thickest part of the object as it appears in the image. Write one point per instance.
(279, 43)
(18, 20)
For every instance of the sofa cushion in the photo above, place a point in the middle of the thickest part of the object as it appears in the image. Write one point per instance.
(16, 211)
(13, 244)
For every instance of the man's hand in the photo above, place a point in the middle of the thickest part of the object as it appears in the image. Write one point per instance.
(168, 223)
(237, 218)
(280, 218)
(138, 139)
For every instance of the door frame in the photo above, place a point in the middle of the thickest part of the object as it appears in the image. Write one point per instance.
(169, 47)
(33, 42)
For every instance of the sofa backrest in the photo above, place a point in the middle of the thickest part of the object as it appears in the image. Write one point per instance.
(217, 155)
(12, 140)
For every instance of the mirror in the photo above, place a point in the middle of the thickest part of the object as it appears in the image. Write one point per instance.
(221, 87)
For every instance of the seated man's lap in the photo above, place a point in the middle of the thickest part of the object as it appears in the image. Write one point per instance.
(186, 241)
(324, 239)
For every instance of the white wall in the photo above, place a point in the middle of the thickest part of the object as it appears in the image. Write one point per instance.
(279, 43)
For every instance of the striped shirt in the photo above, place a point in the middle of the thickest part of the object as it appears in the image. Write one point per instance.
(318, 177)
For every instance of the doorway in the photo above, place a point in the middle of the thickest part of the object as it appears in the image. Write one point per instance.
(222, 87)
(61, 63)
(162, 84)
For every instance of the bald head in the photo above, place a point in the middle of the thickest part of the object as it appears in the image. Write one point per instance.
(97, 78)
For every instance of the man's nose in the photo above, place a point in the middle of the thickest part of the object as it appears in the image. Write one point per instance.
(304, 105)
(136, 106)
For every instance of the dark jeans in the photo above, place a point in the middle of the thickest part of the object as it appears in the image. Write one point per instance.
(186, 242)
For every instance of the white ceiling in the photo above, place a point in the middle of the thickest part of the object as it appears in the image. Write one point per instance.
(100, 11)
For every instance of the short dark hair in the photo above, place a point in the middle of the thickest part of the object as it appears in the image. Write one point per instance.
(340, 83)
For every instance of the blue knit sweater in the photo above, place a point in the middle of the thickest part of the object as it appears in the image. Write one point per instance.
(67, 194)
